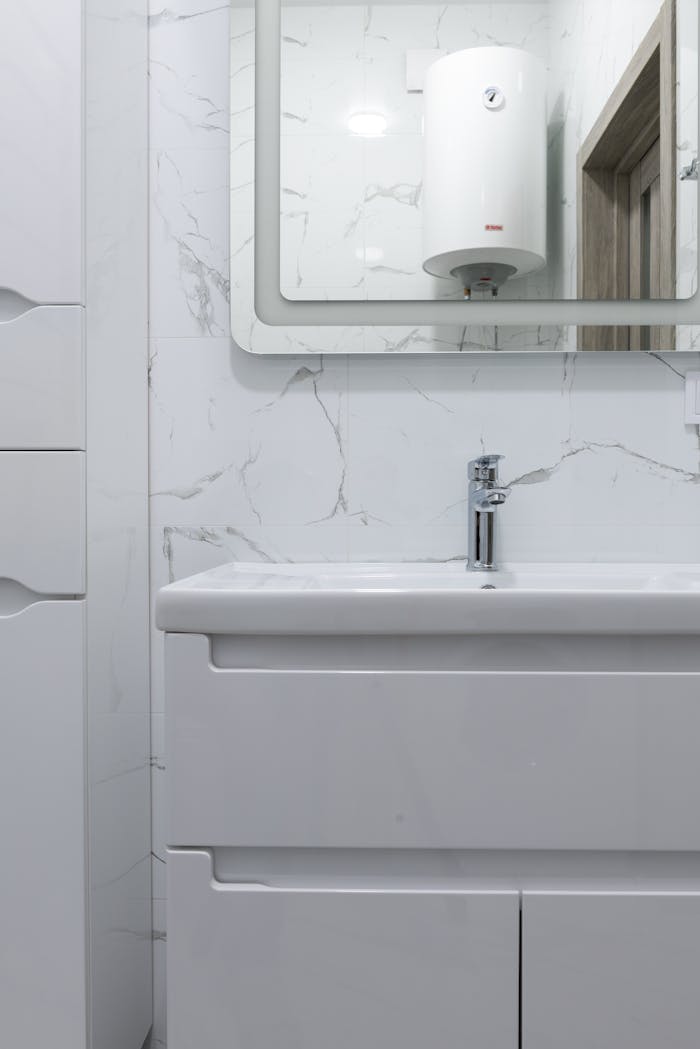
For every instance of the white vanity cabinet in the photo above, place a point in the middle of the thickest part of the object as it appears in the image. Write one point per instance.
(41, 176)
(410, 839)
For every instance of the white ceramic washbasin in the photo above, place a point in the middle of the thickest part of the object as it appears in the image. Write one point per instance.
(368, 599)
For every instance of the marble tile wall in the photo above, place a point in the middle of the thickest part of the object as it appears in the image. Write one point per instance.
(326, 458)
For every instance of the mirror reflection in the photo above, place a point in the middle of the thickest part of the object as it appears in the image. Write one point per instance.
(521, 150)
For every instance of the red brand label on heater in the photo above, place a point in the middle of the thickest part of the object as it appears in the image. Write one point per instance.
(495, 229)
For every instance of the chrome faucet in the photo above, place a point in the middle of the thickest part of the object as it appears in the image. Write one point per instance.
(484, 496)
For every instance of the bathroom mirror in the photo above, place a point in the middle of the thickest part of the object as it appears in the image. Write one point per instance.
(500, 175)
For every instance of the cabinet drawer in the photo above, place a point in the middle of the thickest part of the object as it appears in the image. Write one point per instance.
(611, 970)
(41, 75)
(268, 968)
(42, 385)
(42, 805)
(42, 520)
(430, 760)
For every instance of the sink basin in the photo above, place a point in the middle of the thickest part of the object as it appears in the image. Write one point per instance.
(367, 599)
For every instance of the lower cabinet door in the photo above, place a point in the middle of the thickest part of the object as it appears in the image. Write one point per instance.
(256, 967)
(611, 971)
(42, 380)
(42, 817)
(42, 524)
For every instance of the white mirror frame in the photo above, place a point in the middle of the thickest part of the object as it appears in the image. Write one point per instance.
(273, 308)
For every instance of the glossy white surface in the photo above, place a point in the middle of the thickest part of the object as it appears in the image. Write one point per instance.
(41, 78)
(434, 599)
(42, 541)
(625, 966)
(42, 815)
(42, 379)
(484, 164)
(265, 968)
(449, 759)
(75, 905)
(118, 738)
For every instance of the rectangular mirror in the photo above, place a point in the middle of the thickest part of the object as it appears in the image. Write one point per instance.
(492, 175)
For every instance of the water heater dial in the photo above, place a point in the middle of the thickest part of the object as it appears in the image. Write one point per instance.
(494, 98)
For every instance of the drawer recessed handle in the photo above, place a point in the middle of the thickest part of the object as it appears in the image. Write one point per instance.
(15, 598)
(13, 305)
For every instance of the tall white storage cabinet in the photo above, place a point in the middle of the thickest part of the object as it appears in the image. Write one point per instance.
(74, 877)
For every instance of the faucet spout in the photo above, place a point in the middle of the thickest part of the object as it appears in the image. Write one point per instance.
(485, 496)
(485, 500)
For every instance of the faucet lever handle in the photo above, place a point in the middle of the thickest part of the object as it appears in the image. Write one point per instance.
(485, 468)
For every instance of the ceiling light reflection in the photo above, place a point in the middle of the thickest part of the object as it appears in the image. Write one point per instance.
(370, 125)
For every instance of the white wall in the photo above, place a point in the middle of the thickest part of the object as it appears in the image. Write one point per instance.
(311, 459)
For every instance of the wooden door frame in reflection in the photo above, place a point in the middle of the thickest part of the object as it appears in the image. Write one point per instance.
(641, 109)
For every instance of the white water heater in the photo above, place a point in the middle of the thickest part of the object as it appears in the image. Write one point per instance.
(485, 203)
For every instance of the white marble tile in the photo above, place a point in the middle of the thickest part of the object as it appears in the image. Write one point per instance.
(324, 30)
(385, 93)
(255, 337)
(394, 261)
(325, 172)
(236, 441)
(413, 427)
(241, 262)
(189, 52)
(322, 188)
(571, 459)
(604, 543)
(185, 550)
(242, 106)
(189, 242)
(320, 93)
(323, 250)
(242, 72)
(242, 29)
(394, 179)
(443, 339)
(372, 542)
(418, 27)
(242, 176)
